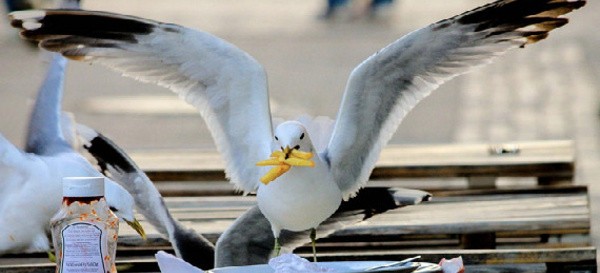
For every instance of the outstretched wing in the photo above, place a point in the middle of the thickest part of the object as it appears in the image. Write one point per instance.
(188, 245)
(44, 135)
(225, 84)
(382, 89)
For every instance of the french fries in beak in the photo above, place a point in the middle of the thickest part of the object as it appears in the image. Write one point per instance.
(283, 161)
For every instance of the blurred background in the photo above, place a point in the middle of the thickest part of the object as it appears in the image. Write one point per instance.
(546, 91)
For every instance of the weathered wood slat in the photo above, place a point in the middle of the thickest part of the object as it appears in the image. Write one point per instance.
(517, 257)
(227, 202)
(529, 214)
(438, 186)
(398, 242)
(550, 207)
(472, 256)
(554, 159)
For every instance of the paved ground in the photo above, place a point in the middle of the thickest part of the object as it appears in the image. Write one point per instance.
(546, 91)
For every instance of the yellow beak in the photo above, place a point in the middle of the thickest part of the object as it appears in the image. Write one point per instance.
(137, 227)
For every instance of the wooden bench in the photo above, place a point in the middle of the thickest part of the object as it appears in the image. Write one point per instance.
(550, 162)
(543, 228)
(537, 228)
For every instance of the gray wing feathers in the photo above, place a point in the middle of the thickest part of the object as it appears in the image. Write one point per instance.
(249, 240)
(44, 135)
(118, 166)
(385, 87)
(225, 84)
(189, 245)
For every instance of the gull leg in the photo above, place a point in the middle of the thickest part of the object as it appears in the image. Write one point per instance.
(276, 230)
(277, 247)
(313, 238)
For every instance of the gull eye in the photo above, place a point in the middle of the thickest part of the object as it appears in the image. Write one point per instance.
(276, 138)
(302, 136)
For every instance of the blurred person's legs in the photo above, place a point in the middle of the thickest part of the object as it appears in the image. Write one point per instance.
(14, 5)
(379, 8)
(333, 6)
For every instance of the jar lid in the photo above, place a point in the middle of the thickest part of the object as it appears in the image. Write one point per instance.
(83, 186)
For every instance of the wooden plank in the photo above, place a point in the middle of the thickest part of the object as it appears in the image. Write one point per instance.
(553, 159)
(513, 268)
(471, 256)
(481, 182)
(552, 213)
(532, 213)
(484, 258)
(410, 242)
(438, 187)
(541, 208)
(552, 189)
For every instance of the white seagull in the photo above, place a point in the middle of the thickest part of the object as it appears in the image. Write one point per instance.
(229, 88)
(248, 240)
(31, 180)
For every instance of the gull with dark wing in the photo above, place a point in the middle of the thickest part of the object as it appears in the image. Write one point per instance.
(229, 88)
(31, 180)
(115, 163)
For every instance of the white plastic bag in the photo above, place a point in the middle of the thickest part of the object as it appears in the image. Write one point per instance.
(452, 266)
(292, 263)
(171, 264)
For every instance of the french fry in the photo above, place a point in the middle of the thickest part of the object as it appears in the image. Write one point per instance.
(274, 173)
(268, 162)
(283, 164)
(277, 154)
(302, 155)
(294, 161)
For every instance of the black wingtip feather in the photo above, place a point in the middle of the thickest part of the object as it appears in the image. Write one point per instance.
(103, 149)
(511, 15)
(376, 200)
(516, 10)
(99, 25)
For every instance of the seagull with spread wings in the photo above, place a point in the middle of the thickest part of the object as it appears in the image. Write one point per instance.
(229, 88)
(248, 240)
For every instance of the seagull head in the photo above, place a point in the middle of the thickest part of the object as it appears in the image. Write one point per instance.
(296, 150)
(122, 204)
(292, 135)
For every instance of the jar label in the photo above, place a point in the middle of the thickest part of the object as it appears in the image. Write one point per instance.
(83, 247)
